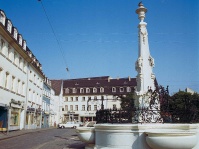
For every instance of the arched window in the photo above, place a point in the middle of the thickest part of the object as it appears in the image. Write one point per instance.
(2, 17)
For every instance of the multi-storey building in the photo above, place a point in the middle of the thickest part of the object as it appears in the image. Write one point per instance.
(46, 103)
(83, 97)
(21, 80)
(57, 86)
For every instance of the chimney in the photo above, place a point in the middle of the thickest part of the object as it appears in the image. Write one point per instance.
(109, 79)
(129, 78)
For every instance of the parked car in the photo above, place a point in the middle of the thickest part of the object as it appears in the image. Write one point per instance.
(69, 125)
(89, 124)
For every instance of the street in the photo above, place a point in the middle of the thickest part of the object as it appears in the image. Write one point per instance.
(46, 139)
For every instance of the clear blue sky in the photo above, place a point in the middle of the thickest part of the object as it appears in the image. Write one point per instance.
(99, 37)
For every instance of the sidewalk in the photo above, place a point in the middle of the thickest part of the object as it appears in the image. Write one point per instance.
(15, 133)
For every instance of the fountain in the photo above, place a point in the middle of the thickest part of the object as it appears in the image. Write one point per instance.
(147, 130)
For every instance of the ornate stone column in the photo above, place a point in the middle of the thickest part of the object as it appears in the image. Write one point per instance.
(147, 100)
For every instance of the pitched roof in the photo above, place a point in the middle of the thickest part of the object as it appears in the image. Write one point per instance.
(96, 82)
(56, 85)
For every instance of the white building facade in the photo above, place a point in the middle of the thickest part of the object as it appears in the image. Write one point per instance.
(21, 80)
(83, 97)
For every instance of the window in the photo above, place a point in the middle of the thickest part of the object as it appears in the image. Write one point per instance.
(15, 58)
(94, 90)
(83, 107)
(9, 26)
(81, 90)
(71, 98)
(76, 107)
(66, 99)
(66, 107)
(71, 107)
(74, 90)
(2, 45)
(24, 45)
(2, 17)
(89, 107)
(9, 53)
(101, 89)
(13, 84)
(1, 80)
(121, 89)
(76, 98)
(83, 98)
(128, 89)
(7, 80)
(95, 97)
(113, 89)
(20, 40)
(114, 107)
(66, 90)
(15, 33)
(23, 88)
(87, 90)
(95, 107)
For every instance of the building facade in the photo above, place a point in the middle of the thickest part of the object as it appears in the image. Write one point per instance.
(21, 80)
(83, 97)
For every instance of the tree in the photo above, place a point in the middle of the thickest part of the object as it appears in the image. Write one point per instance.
(127, 102)
(184, 107)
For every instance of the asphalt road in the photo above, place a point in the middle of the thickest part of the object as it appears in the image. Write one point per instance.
(48, 139)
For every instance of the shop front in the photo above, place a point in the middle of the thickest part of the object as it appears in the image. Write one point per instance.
(16, 112)
(30, 116)
(71, 116)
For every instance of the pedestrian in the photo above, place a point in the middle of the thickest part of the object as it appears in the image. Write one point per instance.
(55, 125)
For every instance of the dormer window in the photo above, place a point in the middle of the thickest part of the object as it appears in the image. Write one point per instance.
(81, 90)
(74, 90)
(20, 40)
(9, 26)
(24, 45)
(101, 90)
(94, 90)
(87, 90)
(121, 89)
(2, 17)
(113, 89)
(128, 89)
(15, 33)
(66, 90)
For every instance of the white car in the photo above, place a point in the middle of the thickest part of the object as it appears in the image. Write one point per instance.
(69, 125)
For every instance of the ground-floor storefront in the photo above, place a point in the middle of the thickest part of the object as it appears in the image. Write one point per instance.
(3, 117)
(81, 117)
(33, 118)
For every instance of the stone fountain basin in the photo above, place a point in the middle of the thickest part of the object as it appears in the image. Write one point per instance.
(171, 140)
(86, 134)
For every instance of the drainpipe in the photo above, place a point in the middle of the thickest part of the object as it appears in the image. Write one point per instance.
(7, 107)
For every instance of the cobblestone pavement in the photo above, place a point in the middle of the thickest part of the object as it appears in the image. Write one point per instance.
(51, 138)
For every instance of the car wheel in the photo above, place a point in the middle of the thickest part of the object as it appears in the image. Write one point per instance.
(74, 127)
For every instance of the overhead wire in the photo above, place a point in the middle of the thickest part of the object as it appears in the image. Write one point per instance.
(59, 44)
